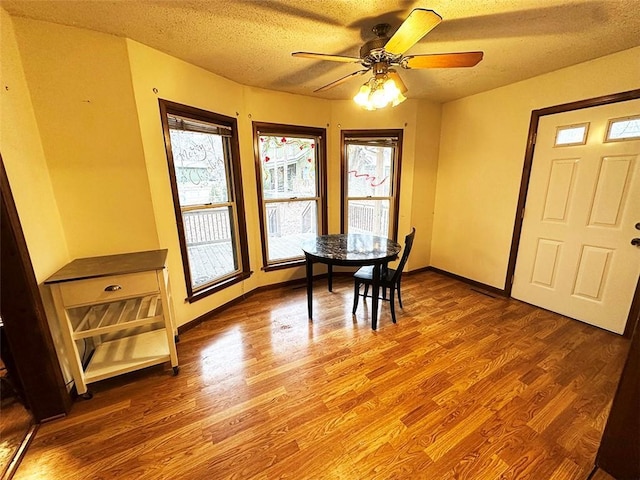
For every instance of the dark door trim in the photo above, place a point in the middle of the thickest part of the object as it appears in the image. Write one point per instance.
(25, 321)
(526, 173)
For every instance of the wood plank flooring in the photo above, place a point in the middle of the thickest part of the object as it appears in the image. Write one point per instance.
(464, 386)
(15, 422)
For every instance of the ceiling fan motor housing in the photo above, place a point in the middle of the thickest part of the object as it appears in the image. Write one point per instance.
(373, 52)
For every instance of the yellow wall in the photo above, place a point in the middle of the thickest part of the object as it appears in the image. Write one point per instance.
(482, 148)
(95, 119)
(29, 175)
(422, 203)
(420, 121)
(80, 86)
(25, 162)
(181, 82)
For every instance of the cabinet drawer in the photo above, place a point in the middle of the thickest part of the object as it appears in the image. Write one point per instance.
(106, 289)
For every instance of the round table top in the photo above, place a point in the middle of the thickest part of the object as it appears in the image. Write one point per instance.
(351, 248)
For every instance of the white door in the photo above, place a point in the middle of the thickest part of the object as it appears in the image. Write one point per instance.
(583, 202)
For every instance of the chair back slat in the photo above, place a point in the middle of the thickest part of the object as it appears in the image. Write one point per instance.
(408, 243)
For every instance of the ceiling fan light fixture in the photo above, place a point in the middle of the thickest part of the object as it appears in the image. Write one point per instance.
(378, 92)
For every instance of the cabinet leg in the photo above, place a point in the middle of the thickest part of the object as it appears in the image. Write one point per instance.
(88, 395)
(176, 370)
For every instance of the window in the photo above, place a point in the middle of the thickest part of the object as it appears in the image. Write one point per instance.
(571, 135)
(620, 129)
(371, 181)
(204, 170)
(290, 165)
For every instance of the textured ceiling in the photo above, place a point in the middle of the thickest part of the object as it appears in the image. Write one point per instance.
(250, 41)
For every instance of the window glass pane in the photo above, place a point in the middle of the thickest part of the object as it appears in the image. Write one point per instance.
(288, 225)
(572, 135)
(369, 170)
(369, 216)
(206, 183)
(288, 166)
(209, 237)
(201, 171)
(624, 129)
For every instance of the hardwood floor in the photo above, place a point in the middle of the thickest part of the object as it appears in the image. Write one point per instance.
(464, 386)
(15, 422)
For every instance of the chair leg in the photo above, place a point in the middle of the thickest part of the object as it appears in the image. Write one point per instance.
(392, 304)
(356, 295)
(366, 290)
(399, 295)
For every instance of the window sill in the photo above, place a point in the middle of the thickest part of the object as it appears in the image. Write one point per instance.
(205, 292)
(281, 266)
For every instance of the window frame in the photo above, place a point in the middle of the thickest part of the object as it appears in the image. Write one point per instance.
(284, 130)
(236, 198)
(371, 136)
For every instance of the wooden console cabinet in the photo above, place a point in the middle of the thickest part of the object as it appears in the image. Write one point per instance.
(115, 315)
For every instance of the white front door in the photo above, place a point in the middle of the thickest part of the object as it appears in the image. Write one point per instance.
(583, 203)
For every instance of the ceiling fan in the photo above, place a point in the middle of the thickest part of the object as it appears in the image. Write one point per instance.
(382, 53)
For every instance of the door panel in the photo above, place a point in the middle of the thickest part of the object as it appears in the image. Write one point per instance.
(583, 200)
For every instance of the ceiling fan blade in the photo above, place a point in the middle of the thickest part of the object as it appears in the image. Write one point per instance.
(340, 80)
(323, 56)
(419, 22)
(443, 60)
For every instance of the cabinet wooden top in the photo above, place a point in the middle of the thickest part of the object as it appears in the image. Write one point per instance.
(124, 263)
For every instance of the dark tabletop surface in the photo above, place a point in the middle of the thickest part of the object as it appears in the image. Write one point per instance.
(351, 247)
(120, 264)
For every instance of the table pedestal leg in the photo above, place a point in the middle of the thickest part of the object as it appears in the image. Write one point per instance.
(309, 265)
(374, 296)
(330, 277)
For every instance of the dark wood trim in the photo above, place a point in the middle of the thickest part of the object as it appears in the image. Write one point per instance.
(279, 129)
(373, 134)
(20, 453)
(284, 265)
(633, 320)
(526, 173)
(473, 283)
(619, 450)
(25, 321)
(235, 191)
(205, 292)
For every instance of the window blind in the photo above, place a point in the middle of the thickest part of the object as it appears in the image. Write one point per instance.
(188, 124)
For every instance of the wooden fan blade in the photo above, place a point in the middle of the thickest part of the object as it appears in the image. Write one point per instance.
(323, 56)
(340, 80)
(419, 22)
(443, 60)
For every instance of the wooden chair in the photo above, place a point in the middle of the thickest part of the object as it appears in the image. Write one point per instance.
(390, 279)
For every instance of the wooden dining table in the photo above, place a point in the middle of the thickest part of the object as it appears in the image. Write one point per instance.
(353, 250)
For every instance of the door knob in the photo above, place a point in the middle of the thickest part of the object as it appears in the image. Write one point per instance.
(635, 242)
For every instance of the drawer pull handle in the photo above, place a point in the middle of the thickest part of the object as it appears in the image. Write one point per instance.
(112, 288)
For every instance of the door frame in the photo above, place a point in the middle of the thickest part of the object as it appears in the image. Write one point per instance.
(634, 311)
(25, 322)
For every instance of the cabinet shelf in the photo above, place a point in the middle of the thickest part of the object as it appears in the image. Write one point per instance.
(112, 317)
(127, 354)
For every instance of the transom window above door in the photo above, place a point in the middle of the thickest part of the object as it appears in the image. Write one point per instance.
(371, 181)
(290, 169)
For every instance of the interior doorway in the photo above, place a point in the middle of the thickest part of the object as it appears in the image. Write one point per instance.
(34, 379)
